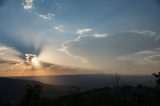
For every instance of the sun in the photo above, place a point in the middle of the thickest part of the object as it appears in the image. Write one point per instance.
(35, 62)
(32, 60)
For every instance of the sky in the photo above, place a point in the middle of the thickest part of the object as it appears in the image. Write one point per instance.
(91, 36)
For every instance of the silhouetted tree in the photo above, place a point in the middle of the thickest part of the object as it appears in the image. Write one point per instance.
(116, 80)
(157, 76)
(32, 96)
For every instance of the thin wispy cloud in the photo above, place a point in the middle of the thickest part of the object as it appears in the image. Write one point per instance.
(48, 16)
(120, 46)
(151, 56)
(59, 28)
(146, 52)
(67, 52)
(145, 33)
(97, 35)
(82, 31)
(3, 47)
(28, 6)
(9, 54)
(65, 45)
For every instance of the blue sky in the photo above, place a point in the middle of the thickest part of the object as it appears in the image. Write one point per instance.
(118, 36)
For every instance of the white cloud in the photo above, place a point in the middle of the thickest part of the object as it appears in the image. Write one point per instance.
(3, 48)
(46, 16)
(9, 54)
(82, 31)
(97, 35)
(152, 56)
(59, 28)
(66, 51)
(146, 52)
(65, 45)
(148, 33)
(27, 4)
(145, 33)
(149, 57)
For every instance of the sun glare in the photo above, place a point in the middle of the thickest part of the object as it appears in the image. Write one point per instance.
(35, 62)
(32, 60)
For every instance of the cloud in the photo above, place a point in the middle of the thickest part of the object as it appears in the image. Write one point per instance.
(9, 55)
(66, 51)
(3, 48)
(153, 58)
(97, 35)
(146, 52)
(65, 45)
(47, 16)
(114, 50)
(82, 31)
(150, 55)
(59, 28)
(145, 32)
(44, 14)
(12, 60)
(27, 4)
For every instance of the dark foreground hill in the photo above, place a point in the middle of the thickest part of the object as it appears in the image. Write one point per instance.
(123, 96)
(14, 89)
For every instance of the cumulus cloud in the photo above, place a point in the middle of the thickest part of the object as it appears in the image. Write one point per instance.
(82, 31)
(59, 28)
(111, 50)
(27, 4)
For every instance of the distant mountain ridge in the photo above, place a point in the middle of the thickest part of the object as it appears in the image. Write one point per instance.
(14, 89)
(90, 81)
